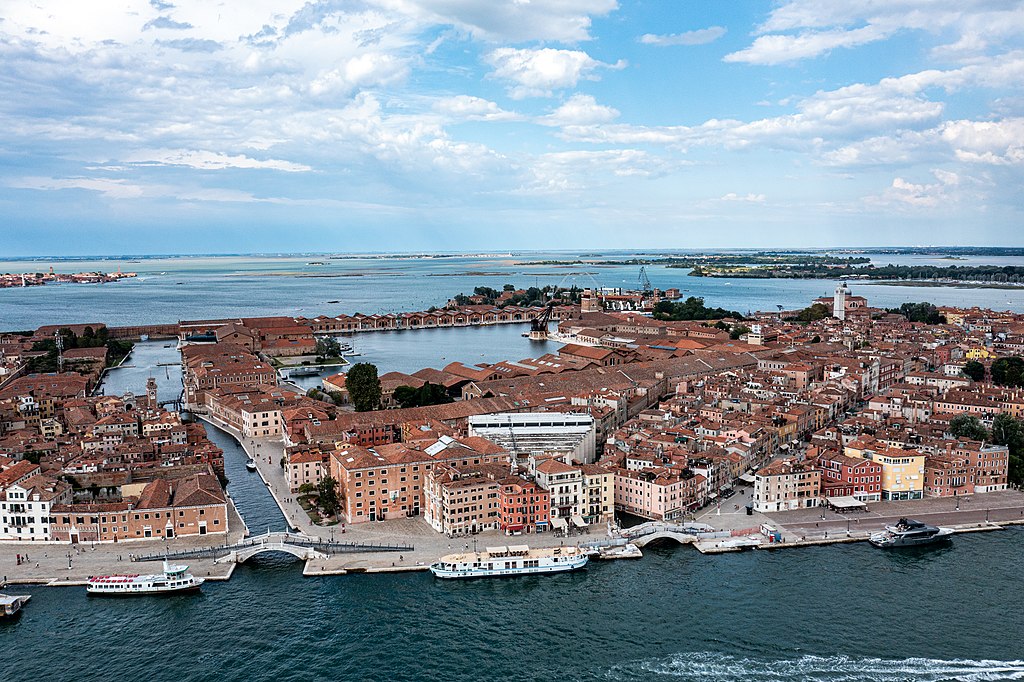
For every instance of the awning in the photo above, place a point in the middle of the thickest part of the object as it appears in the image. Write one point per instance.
(514, 527)
(712, 496)
(747, 478)
(578, 521)
(558, 523)
(845, 502)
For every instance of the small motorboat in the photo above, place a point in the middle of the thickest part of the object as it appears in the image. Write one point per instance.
(10, 604)
(251, 465)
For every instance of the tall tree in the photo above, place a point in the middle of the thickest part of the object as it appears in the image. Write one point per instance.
(363, 386)
(328, 347)
(1008, 371)
(968, 426)
(975, 370)
(327, 493)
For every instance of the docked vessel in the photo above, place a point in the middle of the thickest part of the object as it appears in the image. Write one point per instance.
(509, 561)
(10, 604)
(251, 465)
(909, 533)
(174, 579)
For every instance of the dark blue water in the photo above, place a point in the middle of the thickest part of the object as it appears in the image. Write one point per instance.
(847, 612)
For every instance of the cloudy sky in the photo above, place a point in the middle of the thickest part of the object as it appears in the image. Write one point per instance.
(169, 126)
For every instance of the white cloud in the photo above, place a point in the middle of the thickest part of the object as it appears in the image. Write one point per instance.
(207, 160)
(580, 109)
(515, 21)
(748, 198)
(777, 49)
(473, 108)
(903, 193)
(114, 189)
(536, 73)
(821, 26)
(991, 142)
(701, 36)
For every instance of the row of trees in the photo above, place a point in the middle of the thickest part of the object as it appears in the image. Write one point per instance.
(1004, 371)
(117, 349)
(364, 390)
(919, 312)
(692, 308)
(533, 296)
(1006, 430)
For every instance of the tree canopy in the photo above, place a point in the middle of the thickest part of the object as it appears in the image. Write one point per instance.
(974, 370)
(919, 312)
(968, 426)
(1008, 371)
(363, 386)
(692, 308)
(327, 493)
(427, 394)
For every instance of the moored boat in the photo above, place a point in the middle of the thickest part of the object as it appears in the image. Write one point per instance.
(174, 579)
(510, 561)
(251, 465)
(10, 604)
(910, 533)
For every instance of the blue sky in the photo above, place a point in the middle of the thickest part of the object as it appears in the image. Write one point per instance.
(163, 126)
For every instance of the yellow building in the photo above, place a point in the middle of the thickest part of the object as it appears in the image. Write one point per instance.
(979, 353)
(902, 470)
(598, 494)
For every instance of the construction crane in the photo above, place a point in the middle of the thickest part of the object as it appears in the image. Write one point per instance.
(645, 281)
(539, 324)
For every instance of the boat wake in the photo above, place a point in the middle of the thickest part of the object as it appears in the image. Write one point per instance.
(716, 666)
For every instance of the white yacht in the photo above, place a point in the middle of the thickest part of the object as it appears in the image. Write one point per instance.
(509, 561)
(173, 579)
(909, 533)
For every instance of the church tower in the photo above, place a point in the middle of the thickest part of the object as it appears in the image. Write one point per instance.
(839, 301)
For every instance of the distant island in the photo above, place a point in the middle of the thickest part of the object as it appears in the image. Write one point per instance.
(34, 279)
(1006, 274)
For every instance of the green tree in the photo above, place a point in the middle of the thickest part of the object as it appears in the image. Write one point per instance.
(1008, 371)
(968, 426)
(974, 370)
(328, 347)
(738, 331)
(813, 313)
(327, 496)
(919, 312)
(1009, 431)
(363, 386)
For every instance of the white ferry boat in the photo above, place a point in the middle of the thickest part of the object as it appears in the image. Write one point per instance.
(909, 533)
(173, 579)
(510, 561)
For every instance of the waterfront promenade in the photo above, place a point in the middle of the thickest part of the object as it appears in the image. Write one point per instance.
(50, 563)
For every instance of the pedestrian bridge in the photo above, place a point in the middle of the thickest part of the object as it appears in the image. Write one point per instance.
(297, 544)
(653, 531)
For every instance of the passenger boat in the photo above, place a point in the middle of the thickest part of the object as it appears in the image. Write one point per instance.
(515, 560)
(909, 533)
(174, 579)
(10, 604)
(251, 465)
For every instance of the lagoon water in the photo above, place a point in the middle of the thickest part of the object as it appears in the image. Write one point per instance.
(844, 612)
(172, 289)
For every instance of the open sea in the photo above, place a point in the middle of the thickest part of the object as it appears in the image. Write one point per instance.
(847, 613)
